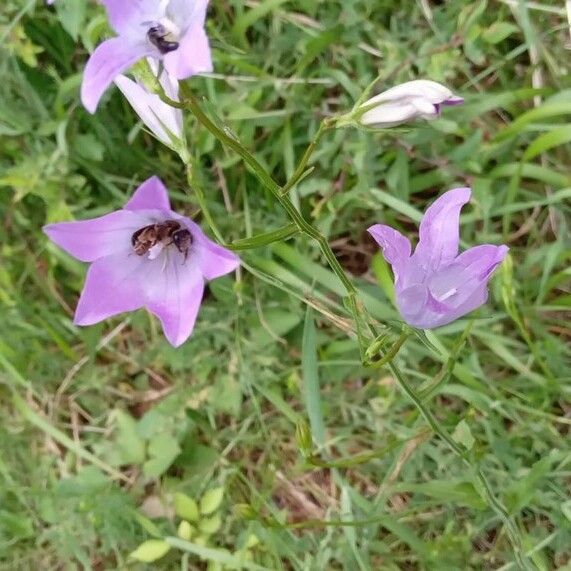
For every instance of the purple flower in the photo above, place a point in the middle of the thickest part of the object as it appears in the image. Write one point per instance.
(164, 121)
(170, 30)
(144, 255)
(407, 101)
(436, 285)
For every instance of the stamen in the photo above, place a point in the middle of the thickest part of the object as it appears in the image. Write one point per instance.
(448, 294)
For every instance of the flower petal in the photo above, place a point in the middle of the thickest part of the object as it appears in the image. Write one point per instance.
(127, 14)
(419, 88)
(112, 286)
(174, 294)
(88, 240)
(396, 247)
(193, 55)
(107, 61)
(389, 114)
(213, 260)
(164, 121)
(151, 195)
(437, 317)
(480, 261)
(187, 12)
(440, 230)
(418, 98)
(412, 303)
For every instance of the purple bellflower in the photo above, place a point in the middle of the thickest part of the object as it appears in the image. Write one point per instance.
(144, 255)
(164, 121)
(405, 102)
(167, 30)
(436, 285)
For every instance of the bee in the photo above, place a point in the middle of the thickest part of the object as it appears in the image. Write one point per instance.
(162, 39)
(169, 231)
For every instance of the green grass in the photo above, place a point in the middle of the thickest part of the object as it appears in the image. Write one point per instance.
(102, 426)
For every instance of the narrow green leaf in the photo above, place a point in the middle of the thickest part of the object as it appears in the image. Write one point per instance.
(549, 140)
(311, 391)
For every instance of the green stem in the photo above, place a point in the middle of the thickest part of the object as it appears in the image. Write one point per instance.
(300, 171)
(191, 102)
(263, 239)
(195, 185)
(494, 504)
(389, 355)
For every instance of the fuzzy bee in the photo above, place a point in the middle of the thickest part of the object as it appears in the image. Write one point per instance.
(167, 232)
(162, 39)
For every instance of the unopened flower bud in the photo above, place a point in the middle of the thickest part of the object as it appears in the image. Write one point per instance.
(405, 102)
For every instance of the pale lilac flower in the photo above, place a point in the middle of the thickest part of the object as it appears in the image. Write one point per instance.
(407, 101)
(164, 121)
(167, 30)
(167, 278)
(436, 285)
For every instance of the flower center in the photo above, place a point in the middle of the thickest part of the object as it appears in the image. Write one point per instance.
(164, 35)
(154, 238)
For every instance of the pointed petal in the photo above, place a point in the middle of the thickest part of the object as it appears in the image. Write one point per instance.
(437, 317)
(187, 12)
(88, 240)
(396, 247)
(128, 14)
(107, 61)
(213, 260)
(480, 261)
(151, 195)
(112, 286)
(462, 286)
(440, 230)
(174, 295)
(163, 120)
(419, 88)
(193, 55)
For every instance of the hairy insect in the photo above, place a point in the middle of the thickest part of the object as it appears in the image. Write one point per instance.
(167, 232)
(182, 239)
(162, 39)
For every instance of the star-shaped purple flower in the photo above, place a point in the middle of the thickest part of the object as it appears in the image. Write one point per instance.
(144, 255)
(436, 285)
(170, 30)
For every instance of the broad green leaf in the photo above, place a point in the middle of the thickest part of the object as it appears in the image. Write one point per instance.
(211, 500)
(185, 507)
(463, 435)
(185, 530)
(499, 31)
(163, 449)
(214, 554)
(210, 525)
(130, 444)
(150, 550)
